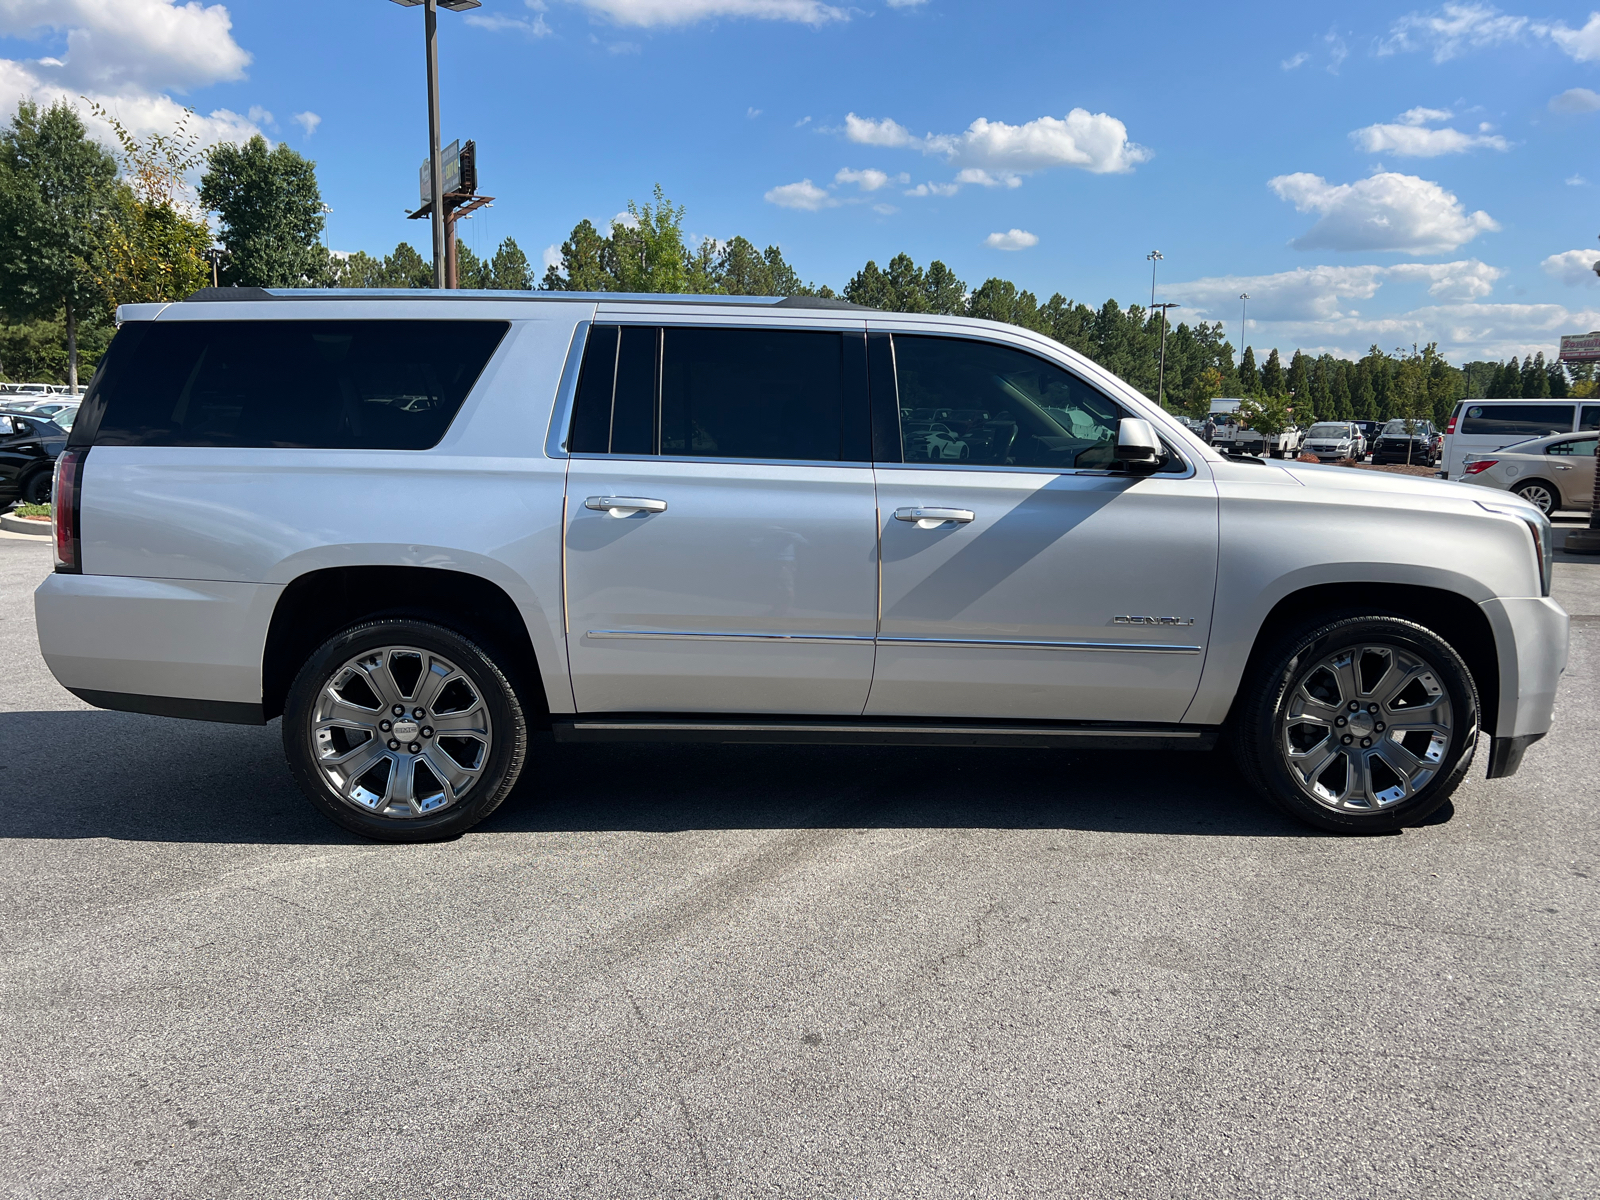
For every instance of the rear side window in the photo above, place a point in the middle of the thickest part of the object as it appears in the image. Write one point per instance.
(1516, 420)
(703, 392)
(1591, 418)
(343, 385)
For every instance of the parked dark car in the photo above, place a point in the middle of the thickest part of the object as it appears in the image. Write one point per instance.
(1402, 441)
(1369, 433)
(28, 449)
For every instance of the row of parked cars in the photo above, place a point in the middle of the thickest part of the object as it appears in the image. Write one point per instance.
(34, 425)
(1416, 443)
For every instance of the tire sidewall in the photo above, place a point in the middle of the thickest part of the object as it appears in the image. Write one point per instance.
(1548, 489)
(36, 488)
(506, 752)
(1314, 645)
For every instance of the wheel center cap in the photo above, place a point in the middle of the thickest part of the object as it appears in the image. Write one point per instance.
(407, 730)
(1361, 724)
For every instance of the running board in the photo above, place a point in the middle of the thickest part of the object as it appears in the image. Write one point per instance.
(867, 731)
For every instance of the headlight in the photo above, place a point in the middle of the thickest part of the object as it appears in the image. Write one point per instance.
(1539, 526)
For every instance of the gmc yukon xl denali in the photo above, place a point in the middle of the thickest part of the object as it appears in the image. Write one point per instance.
(420, 526)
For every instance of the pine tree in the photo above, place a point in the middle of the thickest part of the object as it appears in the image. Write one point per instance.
(1249, 380)
(870, 287)
(1535, 378)
(1300, 382)
(945, 293)
(1273, 382)
(1364, 397)
(1558, 381)
(1343, 402)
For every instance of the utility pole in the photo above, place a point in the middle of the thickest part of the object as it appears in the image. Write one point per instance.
(1155, 257)
(1161, 373)
(430, 30)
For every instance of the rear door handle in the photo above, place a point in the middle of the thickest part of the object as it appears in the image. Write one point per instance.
(932, 518)
(625, 506)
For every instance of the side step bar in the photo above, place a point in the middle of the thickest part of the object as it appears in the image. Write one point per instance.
(869, 731)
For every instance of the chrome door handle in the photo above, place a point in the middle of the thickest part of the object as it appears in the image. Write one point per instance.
(1563, 467)
(623, 506)
(932, 518)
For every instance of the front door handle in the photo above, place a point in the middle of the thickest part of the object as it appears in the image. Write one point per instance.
(1563, 467)
(932, 518)
(625, 506)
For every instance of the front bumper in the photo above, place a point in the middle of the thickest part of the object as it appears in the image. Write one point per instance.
(1531, 640)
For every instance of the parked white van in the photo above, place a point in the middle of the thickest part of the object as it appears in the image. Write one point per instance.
(1480, 426)
(421, 526)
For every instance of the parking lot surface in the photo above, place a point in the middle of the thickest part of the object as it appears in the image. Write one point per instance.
(808, 972)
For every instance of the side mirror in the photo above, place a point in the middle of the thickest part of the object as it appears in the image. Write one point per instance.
(1137, 444)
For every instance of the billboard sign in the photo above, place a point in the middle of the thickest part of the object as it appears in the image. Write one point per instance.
(1580, 347)
(457, 162)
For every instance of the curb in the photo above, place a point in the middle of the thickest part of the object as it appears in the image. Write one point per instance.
(27, 525)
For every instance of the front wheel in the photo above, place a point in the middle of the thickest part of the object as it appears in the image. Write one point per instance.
(37, 489)
(1358, 725)
(403, 731)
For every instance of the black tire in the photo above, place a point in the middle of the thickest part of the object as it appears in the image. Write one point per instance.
(1257, 724)
(1543, 496)
(500, 765)
(36, 488)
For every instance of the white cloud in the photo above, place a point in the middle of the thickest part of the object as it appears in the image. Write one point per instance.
(802, 121)
(752, 113)
(307, 121)
(1321, 293)
(1014, 239)
(866, 132)
(625, 219)
(552, 257)
(1299, 60)
(803, 195)
(886, 210)
(906, 3)
(127, 56)
(1410, 137)
(1575, 181)
(534, 27)
(1575, 100)
(982, 178)
(869, 180)
(1449, 31)
(1337, 50)
(1386, 211)
(260, 116)
(687, 12)
(1573, 268)
(1580, 44)
(934, 189)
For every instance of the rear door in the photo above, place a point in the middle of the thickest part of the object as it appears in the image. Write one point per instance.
(1571, 463)
(1025, 573)
(720, 548)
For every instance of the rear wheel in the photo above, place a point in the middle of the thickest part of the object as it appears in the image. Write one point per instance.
(37, 488)
(1539, 494)
(1359, 725)
(403, 731)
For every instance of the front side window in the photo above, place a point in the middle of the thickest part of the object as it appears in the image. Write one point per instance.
(371, 385)
(1517, 420)
(981, 404)
(1581, 447)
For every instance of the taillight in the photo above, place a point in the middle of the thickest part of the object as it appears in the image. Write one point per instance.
(1451, 427)
(66, 511)
(1482, 464)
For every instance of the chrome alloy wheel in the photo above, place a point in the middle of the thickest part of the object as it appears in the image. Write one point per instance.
(1365, 728)
(400, 732)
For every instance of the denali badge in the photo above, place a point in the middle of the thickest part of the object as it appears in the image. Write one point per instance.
(1152, 620)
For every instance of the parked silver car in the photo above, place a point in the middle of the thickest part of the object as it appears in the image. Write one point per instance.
(1334, 440)
(1548, 472)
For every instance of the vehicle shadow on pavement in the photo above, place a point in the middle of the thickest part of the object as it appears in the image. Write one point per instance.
(94, 774)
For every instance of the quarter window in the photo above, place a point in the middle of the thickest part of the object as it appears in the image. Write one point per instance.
(1517, 420)
(1583, 447)
(977, 403)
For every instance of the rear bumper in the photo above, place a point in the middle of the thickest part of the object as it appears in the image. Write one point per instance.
(179, 647)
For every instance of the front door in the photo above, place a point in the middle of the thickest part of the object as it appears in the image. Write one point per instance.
(1572, 464)
(1025, 574)
(720, 549)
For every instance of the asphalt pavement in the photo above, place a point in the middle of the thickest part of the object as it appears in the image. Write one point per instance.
(784, 972)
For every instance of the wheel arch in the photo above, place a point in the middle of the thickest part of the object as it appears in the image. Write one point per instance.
(1454, 617)
(1549, 485)
(316, 605)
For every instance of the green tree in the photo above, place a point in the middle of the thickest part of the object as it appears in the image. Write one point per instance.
(1300, 382)
(1535, 378)
(871, 287)
(648, 251)
(1202, 388)
(1249, 379)
(509, 270)
(1558, 382)
(1363, 396)
(945, 294)
(1267, 414)
(1272, 377)
(584, 263)
(57, 191)
(271, 211)
(1000, 300)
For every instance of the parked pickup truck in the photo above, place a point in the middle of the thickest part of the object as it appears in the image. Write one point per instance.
(418, 529)
(1272, 445)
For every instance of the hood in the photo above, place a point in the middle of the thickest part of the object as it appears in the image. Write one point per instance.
(1356, 479)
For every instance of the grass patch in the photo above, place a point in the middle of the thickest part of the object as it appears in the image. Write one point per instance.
(31, 510)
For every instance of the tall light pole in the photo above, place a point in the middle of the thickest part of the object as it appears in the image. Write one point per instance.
(1155, 257)
(1161, 373)
(1244, 304)
(430, 27)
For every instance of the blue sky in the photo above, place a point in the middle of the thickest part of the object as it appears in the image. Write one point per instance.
(1401, 174)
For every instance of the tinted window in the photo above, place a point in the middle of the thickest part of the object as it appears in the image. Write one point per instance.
(382, 385)
(752, 393)
(1579, 446)
(1591, 417)
(1516, 420)
(986, 405)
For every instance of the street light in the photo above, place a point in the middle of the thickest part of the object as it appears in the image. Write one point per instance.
(1154, 256)
(430, 27)
(1244, 304)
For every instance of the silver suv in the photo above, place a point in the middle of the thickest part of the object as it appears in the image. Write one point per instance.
(421, 526)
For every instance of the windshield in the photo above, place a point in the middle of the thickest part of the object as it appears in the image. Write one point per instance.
(65, 417)
(1329, 431)
(1397, 427)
